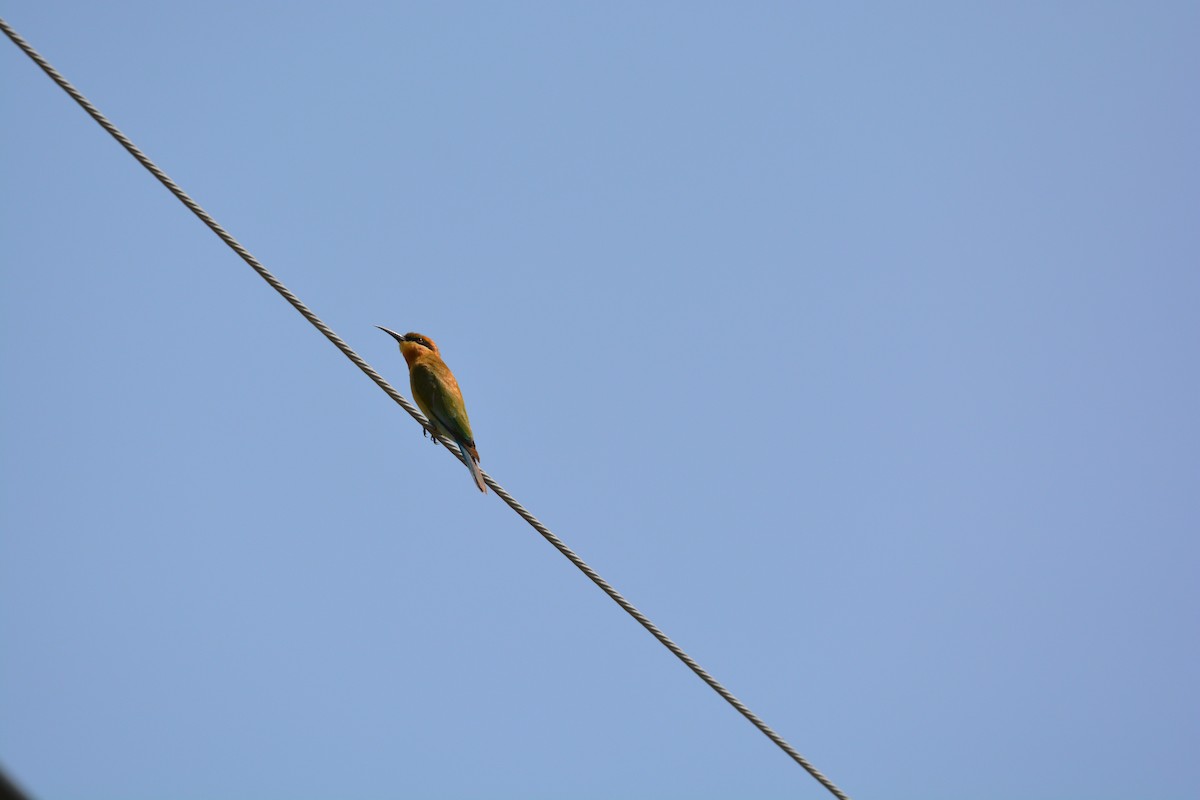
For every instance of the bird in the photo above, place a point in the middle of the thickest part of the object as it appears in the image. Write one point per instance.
(438, 396)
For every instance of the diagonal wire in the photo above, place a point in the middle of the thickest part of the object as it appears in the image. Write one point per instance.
(412, 410)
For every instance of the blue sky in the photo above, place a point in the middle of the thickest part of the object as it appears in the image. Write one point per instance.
(855, 344)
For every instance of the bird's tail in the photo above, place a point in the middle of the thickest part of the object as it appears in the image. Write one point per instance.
(472, 461)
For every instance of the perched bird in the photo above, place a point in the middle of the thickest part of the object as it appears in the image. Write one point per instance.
(438, 395)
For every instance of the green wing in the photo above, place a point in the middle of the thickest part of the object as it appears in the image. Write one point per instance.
(439, 393)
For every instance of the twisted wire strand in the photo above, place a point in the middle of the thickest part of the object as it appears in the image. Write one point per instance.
(400, 400)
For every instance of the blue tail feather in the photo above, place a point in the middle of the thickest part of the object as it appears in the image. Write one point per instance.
(471, 465)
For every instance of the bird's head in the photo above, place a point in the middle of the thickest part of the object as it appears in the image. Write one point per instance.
(412, 345)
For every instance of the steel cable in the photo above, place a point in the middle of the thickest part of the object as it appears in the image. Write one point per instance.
(412, 410)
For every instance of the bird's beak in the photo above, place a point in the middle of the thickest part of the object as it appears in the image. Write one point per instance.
(398, 337)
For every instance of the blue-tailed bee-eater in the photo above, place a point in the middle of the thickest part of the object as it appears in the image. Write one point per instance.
(438, 396)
